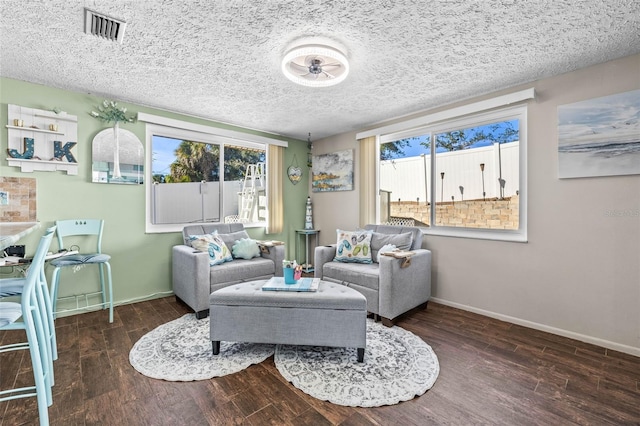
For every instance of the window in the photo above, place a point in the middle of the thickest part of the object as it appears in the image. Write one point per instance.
(203, 177)
(460, 177)
(188, 186)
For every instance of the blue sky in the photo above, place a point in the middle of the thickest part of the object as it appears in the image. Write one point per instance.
(416, 149)
(163, 153)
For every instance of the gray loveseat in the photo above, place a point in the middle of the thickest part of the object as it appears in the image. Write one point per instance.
(390, 289)
(194, 279)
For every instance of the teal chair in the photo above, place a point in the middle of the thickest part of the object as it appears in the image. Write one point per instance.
(88, 231)
(14, 287)
(30, 311)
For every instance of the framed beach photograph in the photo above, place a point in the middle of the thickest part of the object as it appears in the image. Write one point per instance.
(333, 172)
(600, 137)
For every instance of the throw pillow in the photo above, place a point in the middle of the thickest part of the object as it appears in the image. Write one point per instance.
(353, 246)
(212, 244)
(385, 248)
(401, 241)
(245, 248)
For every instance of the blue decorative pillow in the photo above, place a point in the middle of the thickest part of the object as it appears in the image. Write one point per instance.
(245, 248)
(212, 244)
(353, 246)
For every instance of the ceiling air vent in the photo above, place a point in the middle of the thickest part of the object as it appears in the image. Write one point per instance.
(103, 26)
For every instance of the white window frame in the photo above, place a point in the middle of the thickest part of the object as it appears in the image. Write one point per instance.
(190, 131)
(477, 114)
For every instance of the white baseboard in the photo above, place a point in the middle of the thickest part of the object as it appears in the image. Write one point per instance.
(536, 326)
(152, 296)
(65, 312)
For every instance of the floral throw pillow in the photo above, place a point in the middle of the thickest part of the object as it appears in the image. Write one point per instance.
(353, 246)
(212, 244)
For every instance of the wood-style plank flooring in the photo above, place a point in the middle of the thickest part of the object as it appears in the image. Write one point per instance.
(491, 372)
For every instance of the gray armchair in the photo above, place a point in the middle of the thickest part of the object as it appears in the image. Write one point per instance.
(390, 289)
(194, 280)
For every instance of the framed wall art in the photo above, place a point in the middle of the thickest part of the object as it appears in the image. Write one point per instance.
(600, 137)
(333, 172)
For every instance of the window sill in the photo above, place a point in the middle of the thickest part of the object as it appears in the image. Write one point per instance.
(479, 234)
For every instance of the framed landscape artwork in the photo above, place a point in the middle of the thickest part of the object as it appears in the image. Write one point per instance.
(600, 137)
(333, 172)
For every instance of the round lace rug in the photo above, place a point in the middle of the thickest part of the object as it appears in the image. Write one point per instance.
(398, 366)
(180, 350)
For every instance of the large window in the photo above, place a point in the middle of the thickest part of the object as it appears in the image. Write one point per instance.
(203, 178)
(461, 177)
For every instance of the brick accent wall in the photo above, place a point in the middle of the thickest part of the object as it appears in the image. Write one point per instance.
(22, 199)
(490, 214)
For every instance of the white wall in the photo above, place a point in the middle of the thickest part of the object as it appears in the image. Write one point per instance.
(579, 274)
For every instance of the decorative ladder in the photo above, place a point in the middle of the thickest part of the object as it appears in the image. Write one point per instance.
(253, 182)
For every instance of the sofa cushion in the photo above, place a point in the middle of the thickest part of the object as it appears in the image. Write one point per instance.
(394, 229)
(363, 274)
(231, 238)
(210, 228)
(242, 270)
(212, 244)
(353, 246)
(401, 241)
(245, 248)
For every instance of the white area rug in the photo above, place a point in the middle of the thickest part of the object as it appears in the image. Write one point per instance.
(180, 350)
(398, 365)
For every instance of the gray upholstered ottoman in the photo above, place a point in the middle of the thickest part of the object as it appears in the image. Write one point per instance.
(334, 315)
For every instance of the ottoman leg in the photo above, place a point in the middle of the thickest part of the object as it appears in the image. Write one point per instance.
(216, 346)
(360, 354)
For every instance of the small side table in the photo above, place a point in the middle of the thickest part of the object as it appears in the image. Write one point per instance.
(306, 266)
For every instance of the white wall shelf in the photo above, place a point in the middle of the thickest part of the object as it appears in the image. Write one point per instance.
(36, 126)
(55, 117)
(32, 129)
(28, 166)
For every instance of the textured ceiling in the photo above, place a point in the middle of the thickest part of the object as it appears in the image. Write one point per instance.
(220, 59)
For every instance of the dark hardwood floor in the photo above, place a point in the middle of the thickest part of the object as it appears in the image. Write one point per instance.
(491, 372)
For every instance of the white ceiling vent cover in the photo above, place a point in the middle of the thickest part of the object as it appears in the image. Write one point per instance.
(103, 26)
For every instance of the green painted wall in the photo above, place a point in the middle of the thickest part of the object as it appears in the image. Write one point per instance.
(141, 263)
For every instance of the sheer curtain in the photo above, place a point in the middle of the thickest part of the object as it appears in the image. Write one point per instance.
(367, 180)
(275, 205)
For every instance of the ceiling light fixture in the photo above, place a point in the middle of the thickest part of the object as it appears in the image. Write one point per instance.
(315, 65)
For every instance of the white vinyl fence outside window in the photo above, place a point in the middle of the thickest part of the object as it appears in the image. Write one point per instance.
(408, 179)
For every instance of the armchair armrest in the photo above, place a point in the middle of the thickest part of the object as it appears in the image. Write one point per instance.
(276, 254)
(402, 289)
(322, 255)
(190, 274)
